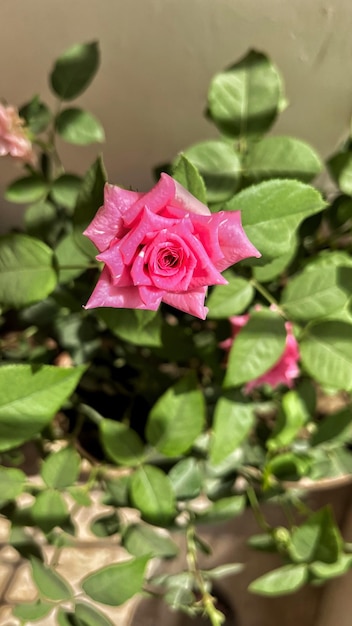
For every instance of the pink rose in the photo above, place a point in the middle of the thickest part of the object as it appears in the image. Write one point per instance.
(162, 246)
(284, 371)
(14, 139)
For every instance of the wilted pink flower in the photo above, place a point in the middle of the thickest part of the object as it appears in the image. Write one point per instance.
(163, 245)
(284, 371)
(14, 139)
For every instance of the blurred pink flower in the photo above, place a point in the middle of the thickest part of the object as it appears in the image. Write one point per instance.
(284, 371)
(162, 246)
(14, 139)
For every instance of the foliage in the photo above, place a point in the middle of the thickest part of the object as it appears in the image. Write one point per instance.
(153, 393)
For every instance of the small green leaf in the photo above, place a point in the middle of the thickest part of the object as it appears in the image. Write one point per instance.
(289, 466)
(152, 494)
(30, 397)
(50, 584)
(49, 510)
(292, 417)
(340, 168)
(105, 525)
(187, 174)
(121, 443)
(36, 115)
(219, 165)
(277, 266)
(244, 100)
(116, 491)
(27, 189)
(117, 583)
(12, 483)
(84, 615)
(231, 299)
(141, 328)
(222, 510)
(79, 127)
(74, 70)
(177, 418)
(61, 469)
(324, 571)
(272, 211)
(26, 270)
(70, 254)
(326, 353)
(281, 581)
(39, 219)
(317, 539)
(282, 157)
(141, 540)
(80, 495)
(31, 611)
(220, 572)
(315, 293)
(334, 428)
(64, 190)
(233, 421)
(186, 479)
(256, 349)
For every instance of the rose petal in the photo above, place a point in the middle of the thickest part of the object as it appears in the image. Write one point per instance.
(107, 295)
(108, 221)
(119, 273)
(154, 200)
(233, 241)
(191, 302)
(185, 200)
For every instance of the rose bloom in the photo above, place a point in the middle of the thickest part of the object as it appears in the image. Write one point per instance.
(162, 246)
(284, 371)
(14, 139)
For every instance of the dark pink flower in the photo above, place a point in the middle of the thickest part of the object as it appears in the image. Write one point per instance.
(14, 140)
(162, 246)
(284, 371)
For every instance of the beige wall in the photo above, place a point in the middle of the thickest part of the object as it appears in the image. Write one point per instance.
(157, 59)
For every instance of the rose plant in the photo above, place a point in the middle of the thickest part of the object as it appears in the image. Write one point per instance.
(112, 358)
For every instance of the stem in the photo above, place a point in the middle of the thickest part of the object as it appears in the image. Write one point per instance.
(265, 293)
(207, 601)
(260, 519)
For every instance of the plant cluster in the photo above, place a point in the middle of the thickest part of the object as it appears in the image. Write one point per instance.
(187, 421)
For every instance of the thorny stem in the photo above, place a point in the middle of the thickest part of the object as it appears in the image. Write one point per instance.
(253, 501)
(207, 601)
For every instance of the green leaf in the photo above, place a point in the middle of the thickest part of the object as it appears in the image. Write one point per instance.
(79, 127)
(222, 510)
(36, 115)
(152, 494)
(84, 615)
(244, 100)
(292, 417)
(80, 495)
(231, 299)
(117, 583)
(187, 174)
(324, 571)
(31, 611)
(317, 539)
(334, 428)
(65, 189)
(68, 252)
(282, 157)
(26, 270)
(141, 540)
(340, 168)
(263, 542)
(22, 541)
(141, 328)
(49, 583)
(273, 269)
(121, 443)
(289, 466)
(74, 70)
(326, 354)
(30, 397)
(334, 463)
(219, 165)
(281, 581)
(186, 479)
(116, 491)
(49, 510)
(105, 525)
(220, 572)
(315, 293)
(12, 483)
(61, 469)
(177, 418)
(256, 349)
(27, 189)
(40, 218)
(233, 421)
(272, 211)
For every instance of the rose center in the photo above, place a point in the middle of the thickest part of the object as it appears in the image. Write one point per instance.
(169, 258)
